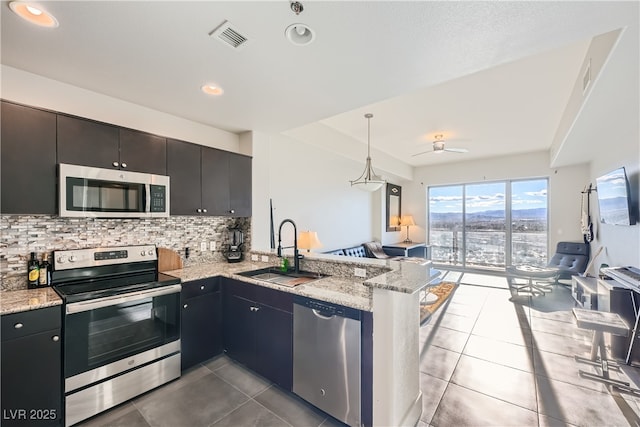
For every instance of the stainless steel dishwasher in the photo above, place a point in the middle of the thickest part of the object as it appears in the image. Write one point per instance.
(326, 357)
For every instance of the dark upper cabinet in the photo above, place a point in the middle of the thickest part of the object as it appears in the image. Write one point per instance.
(208, 181)
(183, 168)
(143, 152)
(28, 174)
(32, 368)
(89, 143)
(201, 326)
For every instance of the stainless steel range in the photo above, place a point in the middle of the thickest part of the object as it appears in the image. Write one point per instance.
(121, 326)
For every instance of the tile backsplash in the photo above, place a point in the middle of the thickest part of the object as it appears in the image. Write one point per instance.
(22, 234)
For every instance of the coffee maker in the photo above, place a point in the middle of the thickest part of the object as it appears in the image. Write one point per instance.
(233, 252)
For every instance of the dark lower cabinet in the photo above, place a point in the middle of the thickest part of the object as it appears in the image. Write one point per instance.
(258, 330)
(28, 160)
(201, 322)
(31, 362)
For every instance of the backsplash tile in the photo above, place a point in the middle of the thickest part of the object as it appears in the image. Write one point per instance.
(22, 234)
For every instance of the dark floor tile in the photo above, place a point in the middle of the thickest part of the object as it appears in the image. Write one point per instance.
(200, 403)
(243, 379)
(500, 352)
(580, 406)
(438, 362)
(432, 392)
(463, 407)
(498, 381)
(289, 407)
(125, 415)
(251, 414)
(217, 362)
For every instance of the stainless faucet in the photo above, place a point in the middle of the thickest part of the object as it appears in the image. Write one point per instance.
(296, 255)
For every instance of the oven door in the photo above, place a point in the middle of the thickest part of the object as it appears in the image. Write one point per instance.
(101, 334)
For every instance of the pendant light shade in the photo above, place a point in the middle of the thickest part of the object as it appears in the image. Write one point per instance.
(368, 181)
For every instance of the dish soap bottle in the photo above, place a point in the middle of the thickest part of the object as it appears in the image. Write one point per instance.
(33, 267)
(284, 266)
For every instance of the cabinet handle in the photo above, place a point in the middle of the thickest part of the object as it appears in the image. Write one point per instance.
(199, 210)
(55, 338)
(115, 164)
(124, 165)
(254, 308)
(204, 210)
(18, 325)
(202, 288)
(232, 211)
(185, 306)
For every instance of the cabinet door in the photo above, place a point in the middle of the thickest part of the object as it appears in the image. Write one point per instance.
(201, 328)
(239, 185)
(88, 143)
(274, 345)
(32, 380)
(215, 181)
(28, 157)
(239, 329)
(183, 167)
(143, 152)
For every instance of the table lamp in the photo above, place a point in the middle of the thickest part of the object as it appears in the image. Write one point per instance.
(308, 240)
(407, 220)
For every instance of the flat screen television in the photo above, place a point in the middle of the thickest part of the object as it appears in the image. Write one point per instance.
(614, 198)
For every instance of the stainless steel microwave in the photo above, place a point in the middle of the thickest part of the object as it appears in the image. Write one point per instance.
(109, 193)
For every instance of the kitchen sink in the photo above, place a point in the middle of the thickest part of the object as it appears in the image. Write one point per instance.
(289, 278)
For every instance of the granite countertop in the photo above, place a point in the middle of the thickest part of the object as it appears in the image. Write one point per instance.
(28, 299)
(406, 277)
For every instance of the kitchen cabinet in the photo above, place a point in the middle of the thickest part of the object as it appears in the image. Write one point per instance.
(258, 330)
(201, 323)
(32, 368)
(208, 181)
(226, 183)
(90, 143)
(28, 166)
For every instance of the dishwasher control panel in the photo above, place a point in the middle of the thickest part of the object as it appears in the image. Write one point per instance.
(327, 308)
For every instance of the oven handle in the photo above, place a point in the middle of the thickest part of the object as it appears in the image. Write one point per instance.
(78, 307)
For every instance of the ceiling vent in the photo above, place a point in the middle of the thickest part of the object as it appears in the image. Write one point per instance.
(229, 35)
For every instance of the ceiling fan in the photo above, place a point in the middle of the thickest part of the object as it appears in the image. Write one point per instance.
(438, 147)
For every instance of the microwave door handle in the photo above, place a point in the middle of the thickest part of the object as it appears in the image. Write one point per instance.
(147, 198)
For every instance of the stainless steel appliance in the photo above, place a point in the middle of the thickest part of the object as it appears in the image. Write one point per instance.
(121, 326)
(326, 357)
(233, 252)
(110, 193)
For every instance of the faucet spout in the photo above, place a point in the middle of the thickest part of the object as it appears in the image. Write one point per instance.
(296, 255)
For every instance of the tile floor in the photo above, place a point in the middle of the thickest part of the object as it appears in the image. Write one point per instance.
(487, 359)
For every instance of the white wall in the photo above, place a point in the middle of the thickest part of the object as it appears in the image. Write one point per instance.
(565, 185)
(310, 186)
(34, 90)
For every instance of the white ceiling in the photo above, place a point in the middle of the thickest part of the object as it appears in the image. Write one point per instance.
(494, 77)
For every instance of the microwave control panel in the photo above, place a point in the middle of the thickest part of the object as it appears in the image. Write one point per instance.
(158, 198)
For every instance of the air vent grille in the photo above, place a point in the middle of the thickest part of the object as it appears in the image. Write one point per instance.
(229, 35)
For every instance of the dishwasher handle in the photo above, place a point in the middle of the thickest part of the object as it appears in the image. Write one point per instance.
(319, 314)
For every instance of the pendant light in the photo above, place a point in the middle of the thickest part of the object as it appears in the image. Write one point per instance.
(368, 181)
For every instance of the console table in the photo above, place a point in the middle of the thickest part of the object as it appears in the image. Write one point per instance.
(414, 249)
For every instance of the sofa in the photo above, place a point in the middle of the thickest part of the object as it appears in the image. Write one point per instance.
(365, 250)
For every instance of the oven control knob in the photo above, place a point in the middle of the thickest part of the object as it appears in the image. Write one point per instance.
(151, 251)
(62, 259)
(142, 253)
(72, 258)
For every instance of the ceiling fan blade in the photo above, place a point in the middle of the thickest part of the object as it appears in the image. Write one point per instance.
(457, 150)
(424, 152)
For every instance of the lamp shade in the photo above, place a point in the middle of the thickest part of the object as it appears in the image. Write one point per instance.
(308, 240)
(407, 220)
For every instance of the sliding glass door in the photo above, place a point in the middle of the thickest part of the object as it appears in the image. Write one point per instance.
(489, 225)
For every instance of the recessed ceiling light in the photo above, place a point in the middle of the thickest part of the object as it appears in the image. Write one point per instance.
(299, 34)
(211, 89)
(33, 14)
